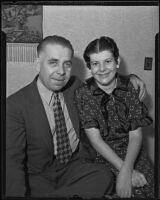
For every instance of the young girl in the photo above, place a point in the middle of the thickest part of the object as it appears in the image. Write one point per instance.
(112, 116)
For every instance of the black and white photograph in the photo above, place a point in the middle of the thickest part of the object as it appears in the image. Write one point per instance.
(80, 100)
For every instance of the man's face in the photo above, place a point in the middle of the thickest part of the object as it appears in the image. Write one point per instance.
(54, 66)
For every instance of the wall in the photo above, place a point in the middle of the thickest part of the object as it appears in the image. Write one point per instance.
(133, 28)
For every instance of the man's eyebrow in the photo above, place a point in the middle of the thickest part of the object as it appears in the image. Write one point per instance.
(68, 61)
(53, 60)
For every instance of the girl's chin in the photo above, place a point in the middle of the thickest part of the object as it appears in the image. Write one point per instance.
(105, 82)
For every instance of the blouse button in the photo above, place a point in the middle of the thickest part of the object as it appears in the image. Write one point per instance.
(128, 94)
(131, 107)
(116, 118)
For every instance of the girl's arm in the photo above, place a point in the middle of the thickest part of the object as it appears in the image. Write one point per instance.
(124, 179)
(127, 176)
(103, 148)
(135, 142)
(123, 187)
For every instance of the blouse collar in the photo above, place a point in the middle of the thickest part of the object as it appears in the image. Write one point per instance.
(122, 82)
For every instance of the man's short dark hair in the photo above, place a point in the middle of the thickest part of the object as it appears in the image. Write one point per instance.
(54, 39)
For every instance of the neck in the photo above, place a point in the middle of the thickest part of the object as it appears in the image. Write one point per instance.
(110, 87)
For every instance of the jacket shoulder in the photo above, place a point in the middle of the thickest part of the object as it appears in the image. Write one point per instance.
(124, 79)
(21, 95)
(73, 83)
(82, 89)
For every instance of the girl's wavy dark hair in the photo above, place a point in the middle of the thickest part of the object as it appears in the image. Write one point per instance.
(101, 44)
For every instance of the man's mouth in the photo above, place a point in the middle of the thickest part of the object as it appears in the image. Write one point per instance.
(58, 79)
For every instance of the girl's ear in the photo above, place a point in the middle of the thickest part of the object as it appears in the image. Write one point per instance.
(37, 63)
(118, 62)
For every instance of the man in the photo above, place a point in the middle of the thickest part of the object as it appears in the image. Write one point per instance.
(44, 154)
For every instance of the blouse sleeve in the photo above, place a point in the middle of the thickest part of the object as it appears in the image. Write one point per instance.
(85, 112)
(137, 113)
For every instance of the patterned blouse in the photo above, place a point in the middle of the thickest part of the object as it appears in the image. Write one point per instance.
(118, 112)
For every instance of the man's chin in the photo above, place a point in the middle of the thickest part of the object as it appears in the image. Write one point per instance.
(58, 85)
(57, 88)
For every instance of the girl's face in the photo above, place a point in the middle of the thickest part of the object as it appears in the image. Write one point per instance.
(103, 67)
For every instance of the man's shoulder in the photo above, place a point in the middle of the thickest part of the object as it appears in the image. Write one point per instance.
(73, 83)
(83, 88)
(124, 80)
(22, 94)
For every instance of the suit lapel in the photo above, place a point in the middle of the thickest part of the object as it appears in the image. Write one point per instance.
(39, 116)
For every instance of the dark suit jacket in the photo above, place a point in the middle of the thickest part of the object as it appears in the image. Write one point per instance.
(28, 133)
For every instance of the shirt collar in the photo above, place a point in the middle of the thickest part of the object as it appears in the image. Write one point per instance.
(46, 93)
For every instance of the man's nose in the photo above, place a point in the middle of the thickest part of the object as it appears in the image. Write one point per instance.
(61, 69)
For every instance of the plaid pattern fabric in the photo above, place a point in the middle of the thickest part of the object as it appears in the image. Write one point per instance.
(64, 151)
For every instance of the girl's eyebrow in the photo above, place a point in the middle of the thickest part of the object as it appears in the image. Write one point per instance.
(109, 58)
(102, 60)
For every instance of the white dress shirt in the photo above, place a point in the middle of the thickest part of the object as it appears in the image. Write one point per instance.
(46, 96)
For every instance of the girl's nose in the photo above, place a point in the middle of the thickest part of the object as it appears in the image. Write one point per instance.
(102, 67)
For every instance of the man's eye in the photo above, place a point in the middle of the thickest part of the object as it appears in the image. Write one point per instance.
(68, 64)
(53, 63)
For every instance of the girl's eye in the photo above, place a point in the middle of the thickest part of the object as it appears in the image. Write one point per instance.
(95, 64)
(108, 61)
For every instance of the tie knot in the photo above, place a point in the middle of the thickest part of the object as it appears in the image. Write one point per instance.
(56, 95)
(54, 99)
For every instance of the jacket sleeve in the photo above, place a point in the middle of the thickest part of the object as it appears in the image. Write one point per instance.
(15, 150)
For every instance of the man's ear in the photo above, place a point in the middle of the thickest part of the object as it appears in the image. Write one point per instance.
(118, 62)
(37, 63)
